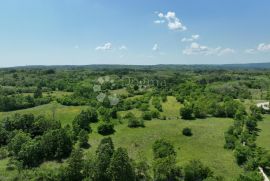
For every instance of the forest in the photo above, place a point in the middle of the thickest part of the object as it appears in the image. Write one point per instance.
(134, 123)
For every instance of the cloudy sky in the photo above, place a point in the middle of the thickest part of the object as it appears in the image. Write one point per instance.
(50, 32)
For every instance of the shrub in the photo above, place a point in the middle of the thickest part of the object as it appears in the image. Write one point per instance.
(106, 129)
(144, 107)
(199, 111)
(187, 132)
(230, 141)
(186, 112)
(162, 148)
(134, 123)
(129, 115)
(163, 117)
(242, 153)
(250, 176)
(83, 139)
(155, 113)
(147, 115)
(195, 170)
(3, 153)
(56, 144)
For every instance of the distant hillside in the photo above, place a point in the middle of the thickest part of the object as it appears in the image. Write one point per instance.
(159, 66)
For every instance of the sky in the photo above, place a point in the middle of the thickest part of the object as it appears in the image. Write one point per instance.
(141, 32)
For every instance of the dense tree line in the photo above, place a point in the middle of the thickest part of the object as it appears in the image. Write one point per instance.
(32, 140)
(241, 137)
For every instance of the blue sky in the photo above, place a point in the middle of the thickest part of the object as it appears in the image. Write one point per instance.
(50, 32)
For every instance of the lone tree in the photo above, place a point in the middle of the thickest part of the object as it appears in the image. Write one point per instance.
(83, 139)
(83, 120)
(186, 112)
(106, 128)
(195, 170)
(120, 167)
(104, 154)
(38, 92)
(75, 165)
(165, 162)
(162, 148)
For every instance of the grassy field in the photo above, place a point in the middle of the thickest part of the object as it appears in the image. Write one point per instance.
(171, 108)
(63, 113)
(264, 136)
(55, 94)
(206, 144)
(136, 112)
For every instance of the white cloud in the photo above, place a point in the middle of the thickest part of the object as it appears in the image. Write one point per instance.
(250, 51)
(195, 37)
(160, 15)
(192, 38)
(76, 47)
(155, 47)
(123, 47)
(262, 47)
(105, 47)
(173, 21)
(159, 21)
(195, 49)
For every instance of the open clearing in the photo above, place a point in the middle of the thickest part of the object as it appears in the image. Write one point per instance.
(206, 144)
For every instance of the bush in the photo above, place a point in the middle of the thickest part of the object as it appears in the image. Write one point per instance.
(56, 144)
(186, 112)
(147, 115)
(134, 123)
(155, 113)
(230, 141)
(195, 170)
(129, 115)
(163, 117)
(187, 132)
(106, 129)
(250, 176)
(242, 153)
(83, 139)
(199, 110)
(3, 153)
(163, 148)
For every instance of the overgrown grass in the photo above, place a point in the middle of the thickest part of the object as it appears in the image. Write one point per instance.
(63, 113)
(206, 144)
(264, 135)
(171, 108)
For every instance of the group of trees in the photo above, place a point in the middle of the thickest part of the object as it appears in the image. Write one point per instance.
(156, 103)
(108, 164)
(201, 108)
(134, 122)
(32, 140)
(83, 120)
(18, 101)
(82, 123)
(111, 164)
(165, 167)
(241, 137)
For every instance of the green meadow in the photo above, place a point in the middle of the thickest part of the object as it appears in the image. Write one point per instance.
(206, 144)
